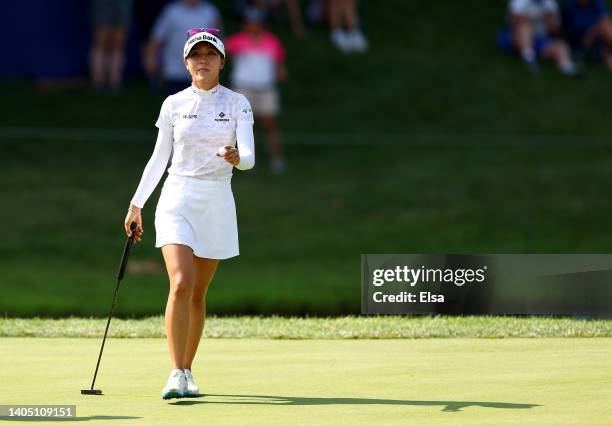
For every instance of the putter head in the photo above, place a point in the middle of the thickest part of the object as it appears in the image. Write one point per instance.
(91, 392)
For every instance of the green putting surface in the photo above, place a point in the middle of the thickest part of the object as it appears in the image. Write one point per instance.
(253, 381)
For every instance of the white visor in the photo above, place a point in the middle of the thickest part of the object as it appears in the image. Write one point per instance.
(205, 37)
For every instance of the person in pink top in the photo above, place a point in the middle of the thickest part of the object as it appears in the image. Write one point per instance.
(258, 64)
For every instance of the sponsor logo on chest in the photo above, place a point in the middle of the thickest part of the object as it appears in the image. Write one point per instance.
(221, 117)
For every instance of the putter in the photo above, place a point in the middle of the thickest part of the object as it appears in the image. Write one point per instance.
(124, 259)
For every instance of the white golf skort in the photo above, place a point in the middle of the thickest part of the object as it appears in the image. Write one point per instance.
(198, 213)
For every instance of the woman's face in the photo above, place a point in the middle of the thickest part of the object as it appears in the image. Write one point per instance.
(204, 63)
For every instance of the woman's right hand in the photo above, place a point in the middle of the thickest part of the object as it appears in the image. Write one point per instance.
(134, 215)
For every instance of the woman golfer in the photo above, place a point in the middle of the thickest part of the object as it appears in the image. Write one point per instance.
(195, 219)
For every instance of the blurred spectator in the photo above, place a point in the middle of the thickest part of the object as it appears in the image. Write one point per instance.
(258, 63)
(272, 8)
(110, 21)
(533, 33)
(145, 14)
(589, 28)
(345, 32)
(168, 37)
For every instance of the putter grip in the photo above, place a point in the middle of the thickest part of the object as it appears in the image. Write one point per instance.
(126, 251)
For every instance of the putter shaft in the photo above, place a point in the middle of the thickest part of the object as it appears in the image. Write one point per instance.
(120, 273)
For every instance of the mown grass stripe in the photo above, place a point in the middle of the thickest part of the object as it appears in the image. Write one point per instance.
(350, 327)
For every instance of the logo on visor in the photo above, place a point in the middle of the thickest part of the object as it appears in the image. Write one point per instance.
(202, 38)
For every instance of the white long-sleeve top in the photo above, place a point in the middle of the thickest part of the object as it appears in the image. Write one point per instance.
(194, 123)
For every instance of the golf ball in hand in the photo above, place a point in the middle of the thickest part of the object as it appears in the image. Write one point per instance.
(221, 152)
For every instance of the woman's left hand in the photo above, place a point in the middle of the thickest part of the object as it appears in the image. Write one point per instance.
(232, 155)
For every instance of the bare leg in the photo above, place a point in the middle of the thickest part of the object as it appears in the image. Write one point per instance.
(180, 266)
(272, 136)
(117, 57)
(295, 18)
(605, 31)
(97, 60)
(558, 52)
(335, 14)
(523, 39)
(204, 273)
(606, 55)
(349, 14)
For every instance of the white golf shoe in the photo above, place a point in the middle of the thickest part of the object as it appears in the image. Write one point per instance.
(176, 386)
(357, 41)
(340, 39)
(192, 388)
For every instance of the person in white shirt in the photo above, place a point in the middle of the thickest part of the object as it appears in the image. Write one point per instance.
(195, 218)
(167, 38)
(533, 33)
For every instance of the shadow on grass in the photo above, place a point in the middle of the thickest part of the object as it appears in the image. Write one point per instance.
(452, 406)
(66, 419)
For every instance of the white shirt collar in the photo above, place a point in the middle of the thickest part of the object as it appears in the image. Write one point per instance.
(204, 93)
